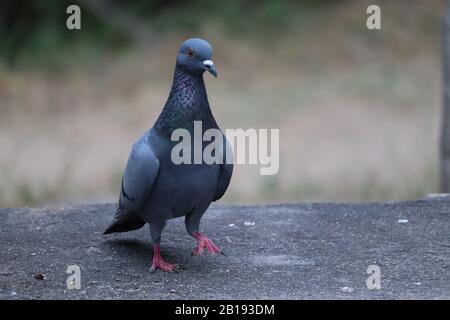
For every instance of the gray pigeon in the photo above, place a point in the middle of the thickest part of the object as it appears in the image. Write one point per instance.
(154, 188)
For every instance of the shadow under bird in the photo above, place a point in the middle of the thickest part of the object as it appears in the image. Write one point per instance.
(154, 188)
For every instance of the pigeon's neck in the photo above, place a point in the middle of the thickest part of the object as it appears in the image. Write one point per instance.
(187, 103)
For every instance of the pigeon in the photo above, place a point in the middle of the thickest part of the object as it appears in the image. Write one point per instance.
(155, 189)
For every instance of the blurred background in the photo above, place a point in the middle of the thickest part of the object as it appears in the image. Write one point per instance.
(358, 110)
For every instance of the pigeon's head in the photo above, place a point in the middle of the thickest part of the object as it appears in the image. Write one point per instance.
(195, 56)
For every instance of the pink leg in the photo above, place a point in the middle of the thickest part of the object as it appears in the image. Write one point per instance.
(204, 242)
(158, 261)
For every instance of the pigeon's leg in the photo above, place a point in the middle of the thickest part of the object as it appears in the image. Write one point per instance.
(158, 262)
(192, 222)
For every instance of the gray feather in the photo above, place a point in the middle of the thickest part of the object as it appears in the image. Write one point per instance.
(226, 171)
(137, 182)
(139, 176)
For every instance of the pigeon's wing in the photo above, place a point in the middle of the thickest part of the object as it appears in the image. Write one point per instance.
(226, 171)
(137, 183)
(139, 176)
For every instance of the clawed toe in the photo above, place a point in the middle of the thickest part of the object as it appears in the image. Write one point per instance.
(159, 263)
(205, 243)
(164, 266)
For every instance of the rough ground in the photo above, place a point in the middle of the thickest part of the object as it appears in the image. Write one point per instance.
(287, 251)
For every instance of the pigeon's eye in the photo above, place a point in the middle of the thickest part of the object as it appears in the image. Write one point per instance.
(190, 53)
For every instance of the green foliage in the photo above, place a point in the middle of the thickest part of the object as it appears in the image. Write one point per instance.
(34, 32)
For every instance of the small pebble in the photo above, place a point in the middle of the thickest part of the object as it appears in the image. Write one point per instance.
(39, 276)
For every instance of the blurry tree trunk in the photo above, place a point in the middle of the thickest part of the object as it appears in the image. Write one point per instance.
(445, 133)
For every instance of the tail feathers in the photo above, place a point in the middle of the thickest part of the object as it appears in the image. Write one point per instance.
(124, 221)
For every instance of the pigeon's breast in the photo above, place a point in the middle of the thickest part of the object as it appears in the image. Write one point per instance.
(179, 188)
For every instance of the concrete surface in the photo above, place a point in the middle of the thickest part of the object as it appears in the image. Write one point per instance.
(287, 251)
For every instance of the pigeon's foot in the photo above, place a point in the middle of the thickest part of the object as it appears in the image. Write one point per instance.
(205, 243)
(163, 265)
(159, 263)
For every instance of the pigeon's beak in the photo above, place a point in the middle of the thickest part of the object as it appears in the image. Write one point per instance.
(210, 67)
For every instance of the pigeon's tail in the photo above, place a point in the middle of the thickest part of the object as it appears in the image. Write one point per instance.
(124, 221)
